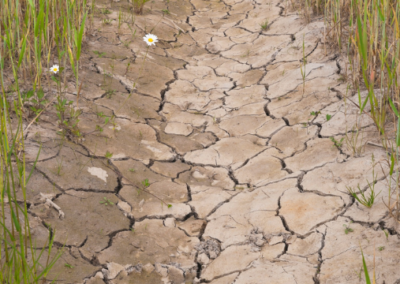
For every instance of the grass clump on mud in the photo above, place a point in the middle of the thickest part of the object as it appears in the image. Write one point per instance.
(366, 35)
(40, 46)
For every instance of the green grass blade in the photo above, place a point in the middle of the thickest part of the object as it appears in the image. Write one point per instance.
(367, 279)
(393, 107)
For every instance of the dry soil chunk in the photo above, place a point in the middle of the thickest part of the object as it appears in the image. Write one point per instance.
(145, 203)
(88, 220)
(226, 152)
(151, 242)
(303, 211)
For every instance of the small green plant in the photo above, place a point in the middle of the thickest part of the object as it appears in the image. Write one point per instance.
(337, 143)
(138, 6)
(107, 21)
(126, 43)
(59, 167)
(347, 229)
(99, 54)
(328, 117)
(108, 155)
(68, 265)
(247, 54)
(146, 183)
(364, 199)
(264, 25)
(105, 11)
(165, 11)
(34, 101)
(381, 248)
(315, 113)
(110, 93)
(127, 67)
(106, 201)
(132, 170)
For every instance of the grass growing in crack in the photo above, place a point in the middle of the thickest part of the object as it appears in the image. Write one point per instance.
(337, 143)
(366, 34)
(59, 166)
(362, 198)
(108, 155)
(138, 6)
(264, 25)
(145, 183)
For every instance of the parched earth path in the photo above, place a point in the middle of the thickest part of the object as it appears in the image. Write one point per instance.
(219, 128)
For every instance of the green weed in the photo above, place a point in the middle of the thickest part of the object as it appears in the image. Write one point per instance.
(337, 143)
(106, 201)
(264, 26)
(347, 229)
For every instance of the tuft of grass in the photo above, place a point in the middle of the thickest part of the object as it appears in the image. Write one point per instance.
(264, 26)
(35, 34)
(105, 12)
(362, 198)
(367, 33)
(138, 6)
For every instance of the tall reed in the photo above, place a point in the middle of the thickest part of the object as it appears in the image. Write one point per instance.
(34, 34)
(367, 33)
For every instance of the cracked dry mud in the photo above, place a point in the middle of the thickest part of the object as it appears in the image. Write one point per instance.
(216, 126)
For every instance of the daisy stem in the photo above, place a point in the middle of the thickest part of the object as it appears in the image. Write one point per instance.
(141, 69)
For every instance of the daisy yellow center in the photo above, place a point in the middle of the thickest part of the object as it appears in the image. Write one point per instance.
(54, 69)
(150, 40)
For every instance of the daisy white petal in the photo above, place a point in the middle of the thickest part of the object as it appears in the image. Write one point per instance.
(150, 39)
(55, 69)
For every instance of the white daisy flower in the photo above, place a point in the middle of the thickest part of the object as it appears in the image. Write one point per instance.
(55, 69)
(150, 39)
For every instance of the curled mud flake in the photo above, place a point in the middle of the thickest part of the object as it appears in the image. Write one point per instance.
(113, 269)
(50, 203)
(98, 172)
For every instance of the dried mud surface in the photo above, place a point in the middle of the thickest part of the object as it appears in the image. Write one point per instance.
(219, 125)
